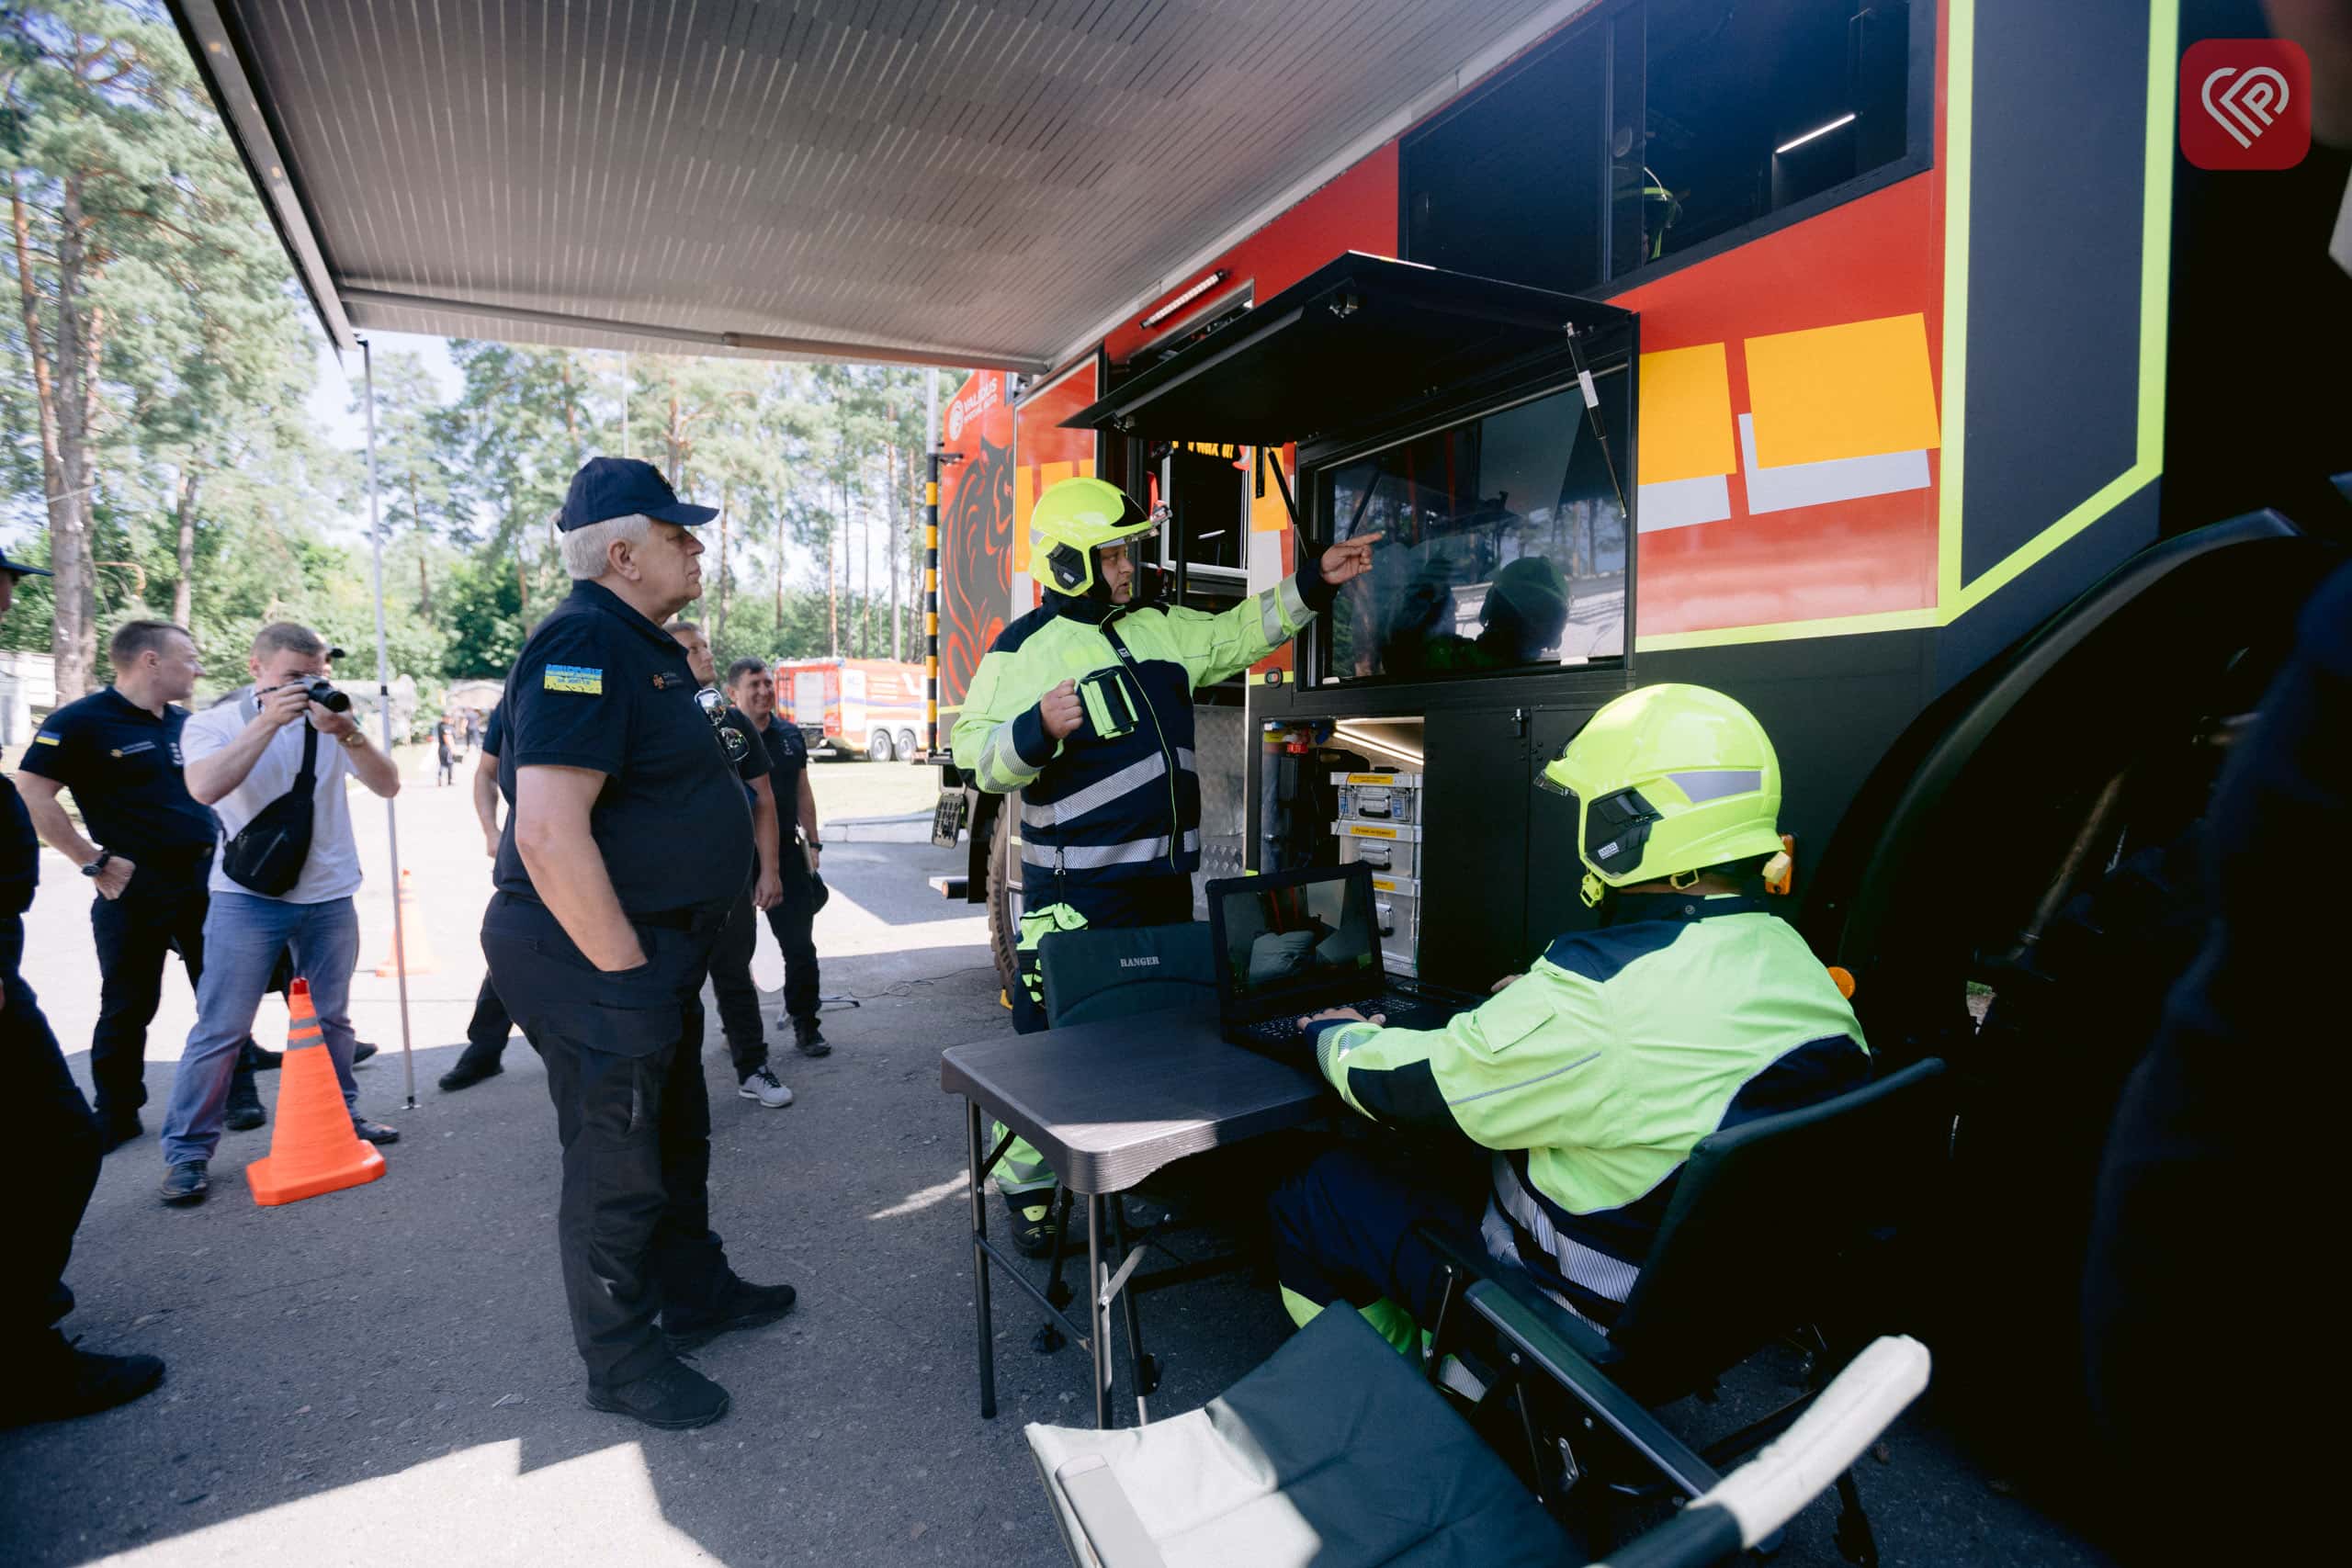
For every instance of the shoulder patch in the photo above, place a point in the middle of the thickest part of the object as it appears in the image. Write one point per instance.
(45, 739)
(574, 678)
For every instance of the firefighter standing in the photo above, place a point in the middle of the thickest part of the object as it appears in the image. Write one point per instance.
(1579, 1087)
(1085, 706)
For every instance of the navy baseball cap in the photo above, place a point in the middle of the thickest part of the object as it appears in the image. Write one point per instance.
(19, 568)
(607, 488)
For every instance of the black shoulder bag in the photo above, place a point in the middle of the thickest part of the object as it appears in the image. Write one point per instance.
(267, 857)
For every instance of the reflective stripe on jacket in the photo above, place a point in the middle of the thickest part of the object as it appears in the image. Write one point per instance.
(1119, 797)
(1592, 1076)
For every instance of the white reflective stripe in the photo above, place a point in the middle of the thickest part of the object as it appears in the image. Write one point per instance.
(1000, 763)
(1702, 785)
(1270, 618)
(1093, 857)
(1293, 602)
(1185, 761)
(1096, 795)
(1580, 1265)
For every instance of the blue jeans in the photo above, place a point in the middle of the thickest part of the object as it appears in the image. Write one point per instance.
(243, 934)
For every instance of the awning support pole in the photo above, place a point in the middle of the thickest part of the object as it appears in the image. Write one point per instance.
(930, 569)
(384, 717)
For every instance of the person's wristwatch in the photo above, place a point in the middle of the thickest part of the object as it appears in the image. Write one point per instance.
(98, 864)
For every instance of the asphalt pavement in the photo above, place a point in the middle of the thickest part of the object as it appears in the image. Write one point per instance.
(386, 1375)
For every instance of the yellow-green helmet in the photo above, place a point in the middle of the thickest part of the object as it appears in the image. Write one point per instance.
(1668, 780)
(1074, 519)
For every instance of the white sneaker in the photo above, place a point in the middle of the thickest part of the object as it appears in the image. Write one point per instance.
(767, 1088)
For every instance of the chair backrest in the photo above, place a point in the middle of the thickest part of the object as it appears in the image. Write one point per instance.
(1760, 1217)
(1094, 975)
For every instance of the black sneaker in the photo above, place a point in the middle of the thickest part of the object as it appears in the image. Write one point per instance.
(807, 1039)
(186, 1182)
(58, 1383)
(116, 1131)
(374, 1131)
(1032, 1221)
(742, 1306)
(244, 1112)
(470, 1070)
(671, 1397)
(260, 1060)
(360, 1052)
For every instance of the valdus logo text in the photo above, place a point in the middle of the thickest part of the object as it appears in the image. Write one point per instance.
(986, 391)
(2245, 104)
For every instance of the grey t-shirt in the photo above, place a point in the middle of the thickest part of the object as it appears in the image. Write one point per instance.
(332, 870)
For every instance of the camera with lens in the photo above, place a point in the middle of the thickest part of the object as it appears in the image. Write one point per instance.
(326, 695)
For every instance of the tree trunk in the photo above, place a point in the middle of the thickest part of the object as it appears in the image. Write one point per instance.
(74, 640)
(779, 571)
(521, 584)
(833, 589)
(718, 626)
(897, 624)
(416, 523)
(183, 589)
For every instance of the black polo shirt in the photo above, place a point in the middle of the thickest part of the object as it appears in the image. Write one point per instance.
(600, 686)
(123, 765)
(788, 751)
(754, 762)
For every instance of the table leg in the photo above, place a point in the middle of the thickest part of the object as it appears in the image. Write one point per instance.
(1098, 1311)
(974, 1135)
(1121, 1242)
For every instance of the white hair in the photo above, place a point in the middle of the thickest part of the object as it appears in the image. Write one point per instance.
(586, 548)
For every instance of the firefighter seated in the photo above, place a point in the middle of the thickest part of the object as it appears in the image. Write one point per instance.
(1569, 1101)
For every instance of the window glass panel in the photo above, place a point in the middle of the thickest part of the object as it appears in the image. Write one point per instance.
(1503, 546)
(1509, 187)
(1748, 106)
(1208, 520)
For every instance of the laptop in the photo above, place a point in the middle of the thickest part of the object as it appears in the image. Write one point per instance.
(1298, 941)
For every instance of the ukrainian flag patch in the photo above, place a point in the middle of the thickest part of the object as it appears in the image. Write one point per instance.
(574, 677)
(45, 739)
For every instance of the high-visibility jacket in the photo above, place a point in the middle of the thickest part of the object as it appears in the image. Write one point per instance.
(1590, 1077)
(1119, 797)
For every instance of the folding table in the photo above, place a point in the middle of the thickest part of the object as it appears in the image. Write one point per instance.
(1108, 1104)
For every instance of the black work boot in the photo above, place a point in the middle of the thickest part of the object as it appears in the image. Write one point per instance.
(807, 1039)
(57, 1381)
(1032, 1215)
(741, 1305)
(671, 1397)
(258, 1060)
(245, 1106)
(473, 1065)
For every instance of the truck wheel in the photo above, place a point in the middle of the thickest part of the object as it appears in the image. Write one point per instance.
(906, 745)
(877, 748)
(1004, 926)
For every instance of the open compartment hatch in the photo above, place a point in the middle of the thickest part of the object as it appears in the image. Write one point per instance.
(1357, 339)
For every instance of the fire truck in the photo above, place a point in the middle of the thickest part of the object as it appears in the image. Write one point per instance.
(1821, 353)
(864, 707)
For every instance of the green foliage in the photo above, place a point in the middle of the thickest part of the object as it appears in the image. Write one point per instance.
(209, 491)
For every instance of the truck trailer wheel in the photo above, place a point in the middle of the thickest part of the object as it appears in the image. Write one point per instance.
(1003, 924)
(906, 745)
(877, 748)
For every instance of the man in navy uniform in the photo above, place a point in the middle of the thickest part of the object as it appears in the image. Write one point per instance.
(48, 1378)
(148, 853)
(625, 846)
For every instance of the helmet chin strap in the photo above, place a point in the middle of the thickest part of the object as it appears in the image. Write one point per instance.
(1681, 880)
(1593, 890)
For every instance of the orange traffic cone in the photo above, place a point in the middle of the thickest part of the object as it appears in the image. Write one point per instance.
(410, 936)
(313, 1149)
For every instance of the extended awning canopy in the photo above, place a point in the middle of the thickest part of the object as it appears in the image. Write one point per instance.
(1356, 340)
(969, 183)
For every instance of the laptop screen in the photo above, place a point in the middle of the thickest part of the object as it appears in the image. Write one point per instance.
(1298, 939)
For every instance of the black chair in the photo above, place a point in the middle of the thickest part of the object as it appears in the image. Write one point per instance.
(1333, 1454)
(1090, 975)
(1765, 1237)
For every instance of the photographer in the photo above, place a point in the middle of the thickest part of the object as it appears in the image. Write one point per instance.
(282, 749)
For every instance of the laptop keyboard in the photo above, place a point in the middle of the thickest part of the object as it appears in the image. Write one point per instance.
(1403, 1012)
